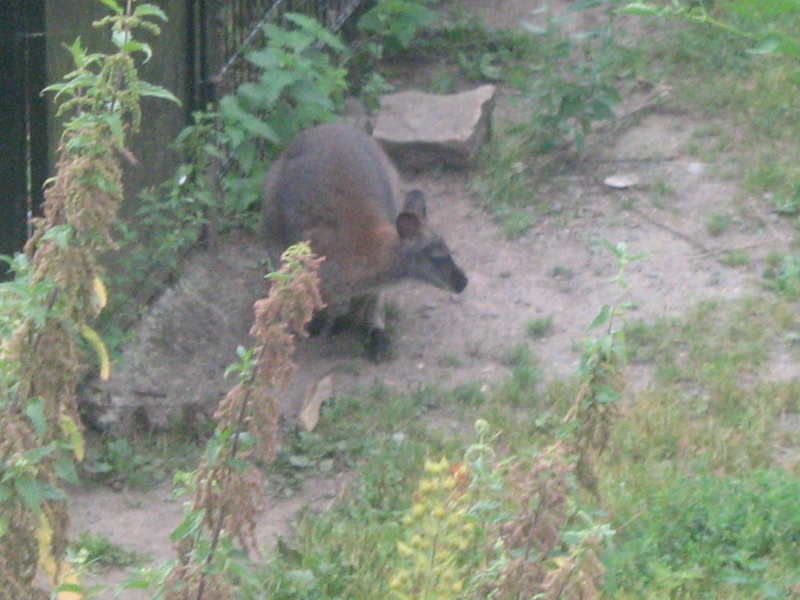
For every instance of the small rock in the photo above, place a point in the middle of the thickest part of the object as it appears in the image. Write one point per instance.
(621, 181)
(419, 130)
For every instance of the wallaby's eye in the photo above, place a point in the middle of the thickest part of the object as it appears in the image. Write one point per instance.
(440, 260)
(437, 247)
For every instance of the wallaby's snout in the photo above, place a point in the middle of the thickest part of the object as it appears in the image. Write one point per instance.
(336, 187)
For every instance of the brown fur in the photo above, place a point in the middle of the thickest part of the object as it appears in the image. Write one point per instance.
(335, 187)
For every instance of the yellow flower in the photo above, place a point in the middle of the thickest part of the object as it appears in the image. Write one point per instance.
(435, 468)
(404, 549)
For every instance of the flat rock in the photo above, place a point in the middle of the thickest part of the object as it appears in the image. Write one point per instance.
(419, 130)
(172, 374)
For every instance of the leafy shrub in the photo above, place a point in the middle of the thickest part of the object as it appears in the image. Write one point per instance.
(300, 85)
(396, 23)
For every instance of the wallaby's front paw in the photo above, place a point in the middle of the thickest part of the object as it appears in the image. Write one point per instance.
(317, 324)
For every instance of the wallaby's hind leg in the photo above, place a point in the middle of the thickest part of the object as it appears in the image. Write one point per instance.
(319, 323)
(365, 313)
(378, 339)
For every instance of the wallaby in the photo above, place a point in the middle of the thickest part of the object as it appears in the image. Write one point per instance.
(335, 187)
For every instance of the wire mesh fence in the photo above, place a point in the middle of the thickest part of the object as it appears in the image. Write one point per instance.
(234, 26)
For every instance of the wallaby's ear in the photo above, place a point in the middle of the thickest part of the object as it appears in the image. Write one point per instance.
(415, 203)
(408, 225)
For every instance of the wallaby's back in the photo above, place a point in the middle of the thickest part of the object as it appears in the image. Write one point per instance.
(334, 186)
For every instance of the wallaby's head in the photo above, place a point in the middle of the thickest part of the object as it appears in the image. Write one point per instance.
(425, 256)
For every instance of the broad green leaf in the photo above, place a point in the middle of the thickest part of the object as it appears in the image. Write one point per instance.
(156, 91)
(35, 412)
(150, 10)
(64, 468)
(603, 316)
(113, 6)
(191, 523)
(29, 490)
(321, 33)
(132, 46)
(231, 110)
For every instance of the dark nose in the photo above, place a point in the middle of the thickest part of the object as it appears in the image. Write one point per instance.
(458, 280)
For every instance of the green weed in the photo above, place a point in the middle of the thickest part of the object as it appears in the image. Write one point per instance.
(735, 258)
(717, 224)
(539, 328)
(99, 551)
(783, 275)
(139, 464)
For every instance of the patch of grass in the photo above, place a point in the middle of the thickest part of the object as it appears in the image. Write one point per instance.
(451, 360)
(526, 375)
(354, 426)
(736, 258)
(98, 551)
(750, 100)
(718, 223)
(733, 335)
(342, 552)
(539, 328)
(783, 275)
(728, 533)
(663, 187)
(562, 272)
(142, 463)
(687, 479)
(707, 403)
(471, 394)
(505, 184)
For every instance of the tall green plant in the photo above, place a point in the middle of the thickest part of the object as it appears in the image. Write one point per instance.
(601, 381)
(395, 24)
(227, 489)
(50, 306)
(301, 83)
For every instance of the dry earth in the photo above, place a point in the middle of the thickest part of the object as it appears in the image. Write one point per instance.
(558, 268)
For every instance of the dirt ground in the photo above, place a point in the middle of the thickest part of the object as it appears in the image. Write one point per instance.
(557, 269)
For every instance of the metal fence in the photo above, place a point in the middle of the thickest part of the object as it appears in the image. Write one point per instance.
(217, 36)
(23, 133)
(231, 28)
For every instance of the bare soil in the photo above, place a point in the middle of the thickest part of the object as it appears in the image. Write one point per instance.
(557, 269)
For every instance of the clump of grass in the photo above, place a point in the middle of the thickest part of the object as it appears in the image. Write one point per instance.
(141, 463)
(526, 374)
(783, 275)
(717, 223)
(539, 328)
(450, 360)
(562, 272)
(735, 258)
(97, 550)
